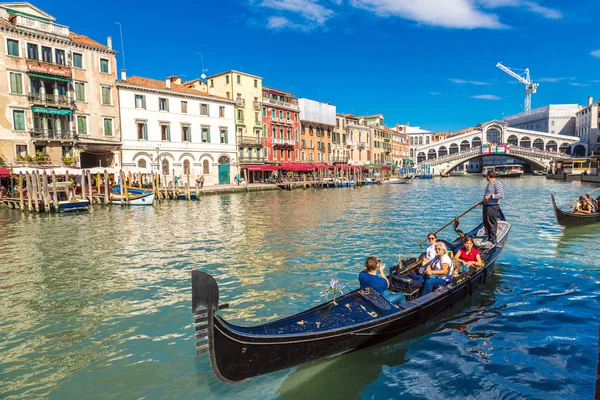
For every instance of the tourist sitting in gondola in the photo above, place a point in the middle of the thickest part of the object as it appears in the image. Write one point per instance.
(583, 206)
(440, 271)
(430, 251)
(468, 255)
(369, 279)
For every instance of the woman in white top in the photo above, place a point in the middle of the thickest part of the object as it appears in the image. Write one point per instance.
(430, 252)
(440, 271)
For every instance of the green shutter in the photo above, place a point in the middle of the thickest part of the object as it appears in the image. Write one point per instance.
(79, 91)
(16, 85)
(144, 102)
(107, 127)
(105, 95)
(208, 134)
(81, 125)
(145, 132)
(19, 120)
(168, 133)
(189, 133)
(13, 47)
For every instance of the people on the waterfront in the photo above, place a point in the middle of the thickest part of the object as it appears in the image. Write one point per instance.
(494, 192)
(430, 251)
(237, 179)
(201, 181)
(468, 255)
(440, 271)
(368, 279)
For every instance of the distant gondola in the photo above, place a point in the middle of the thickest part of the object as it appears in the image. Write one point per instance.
(360, 319)
(567, 218)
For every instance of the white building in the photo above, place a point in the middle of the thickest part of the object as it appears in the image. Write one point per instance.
(417, 137)
(183, 130)
(587, 125)
(554, 118)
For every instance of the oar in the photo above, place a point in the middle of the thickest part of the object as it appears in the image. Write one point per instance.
(573, 201)
(454, 219)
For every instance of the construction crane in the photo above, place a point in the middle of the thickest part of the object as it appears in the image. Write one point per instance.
(525, 79)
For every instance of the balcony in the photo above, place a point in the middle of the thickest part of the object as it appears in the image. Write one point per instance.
(250, 141)
(52, 134)
(275, 120)
(279, 103)
(362, 145)
(288, 122)
(257, 105)
(38, 25)
(240, 102)
(251, 160)
(283, 142)
(349, 143)
(51, 99)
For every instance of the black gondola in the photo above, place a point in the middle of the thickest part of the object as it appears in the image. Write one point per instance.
(567, 218)
(360, 319)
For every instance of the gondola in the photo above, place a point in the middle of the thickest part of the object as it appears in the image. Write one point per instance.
(360, 319)
(567, 218)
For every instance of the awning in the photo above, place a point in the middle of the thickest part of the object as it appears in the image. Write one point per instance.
(300, 167)
(4, 173)
(386, 167)
(51, 77)
(261, 167)
(51, 111)
(319, 166)
(407, 160)
(376, 166)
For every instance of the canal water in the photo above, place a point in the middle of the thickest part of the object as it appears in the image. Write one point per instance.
(98, 305)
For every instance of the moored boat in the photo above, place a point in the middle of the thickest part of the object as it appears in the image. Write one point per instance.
(394, 181)
(505, 171)
(65, 201)
(359, 319)
(568, 218)
(142, 199)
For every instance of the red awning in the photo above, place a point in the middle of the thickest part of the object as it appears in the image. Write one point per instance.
(386, 168)
(4, 173)
(261, 167)
(319, 166)
(296, 167)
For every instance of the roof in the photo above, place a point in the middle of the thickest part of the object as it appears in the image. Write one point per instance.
(81, 39)
(269, 88)
(371, 116)
(233, 71)
(414, 130)
(162, 85)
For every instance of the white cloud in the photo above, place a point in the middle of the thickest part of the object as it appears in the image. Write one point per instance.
(462, 82)
(446, 13)
(309, 9)
(485, 97)
(277, 23)
(435, 93)
(459, 81)
(555, 80)
(596, 53)
(531, 6)
(578, 84)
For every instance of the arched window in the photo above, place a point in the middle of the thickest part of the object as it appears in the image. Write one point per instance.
(205, 169)
(165, 167)
(297, 137)
(427, 140)
(186, 167)
(421, 140)
(223, 160)
(142, 163)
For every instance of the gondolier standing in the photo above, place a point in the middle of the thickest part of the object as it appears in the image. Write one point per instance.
(494, 191)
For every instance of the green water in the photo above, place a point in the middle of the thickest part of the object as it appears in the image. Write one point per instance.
(98, 305)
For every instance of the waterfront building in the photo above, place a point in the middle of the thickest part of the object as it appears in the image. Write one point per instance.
(60, 106)
(400, 150)
(281, 126)
(177, 130)
(554, 118)
(246, 91)
(380, 139)
(317, 124)
(417, 137)
(587, 125)
(339, 152)
(357, 139)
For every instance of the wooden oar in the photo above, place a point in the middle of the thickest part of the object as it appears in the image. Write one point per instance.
(454, 220)
(573, 201)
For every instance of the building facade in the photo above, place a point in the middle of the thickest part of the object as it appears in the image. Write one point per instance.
(357, 139)
(554, 118)
(317, 124)
(587, 125)
(61, 107)
(281, 126)
(177, 130)
(247, 92)
(400, 150)
(380, 139)
(339, 151)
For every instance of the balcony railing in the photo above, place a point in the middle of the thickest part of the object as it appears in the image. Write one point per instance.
(291, 106)
(256, 104)
(283, 142)
(51, 99)
(52, 134)
(250, 140)
(275, 120)
(250, 160)
(349, 143)
(41, 25)
(240, 102)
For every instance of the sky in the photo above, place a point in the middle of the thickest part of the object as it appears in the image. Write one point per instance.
(429, 63)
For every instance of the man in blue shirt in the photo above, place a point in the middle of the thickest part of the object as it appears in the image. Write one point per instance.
(369, 279)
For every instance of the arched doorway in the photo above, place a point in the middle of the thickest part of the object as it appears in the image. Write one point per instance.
(421, 157)
(513, 140)
(464, 145)
(186, 167)
(443, 151)
(224, 169)
(476, 142)
(538, 144)
(453, 148)
(579, 150)
(551, 146)
(525, 142)
(565, 148)
(165, 166)
(205, 168)
(431, 154)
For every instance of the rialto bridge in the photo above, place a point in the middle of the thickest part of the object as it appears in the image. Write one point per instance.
(535, 148)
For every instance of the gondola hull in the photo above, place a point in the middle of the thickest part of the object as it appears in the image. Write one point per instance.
(361, 319)
(567, 218)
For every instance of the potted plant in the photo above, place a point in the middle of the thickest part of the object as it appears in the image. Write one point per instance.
(41, 157)
(69, 160)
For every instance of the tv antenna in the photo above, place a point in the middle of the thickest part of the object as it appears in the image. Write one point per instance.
(202, 75)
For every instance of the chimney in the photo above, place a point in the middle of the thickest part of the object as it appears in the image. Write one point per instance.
(590, 100)
(168, 83)
(211, 90)
(123, 75)
(109, 42)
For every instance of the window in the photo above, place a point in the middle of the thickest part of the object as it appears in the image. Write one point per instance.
(32, 51)
(108, 126)
(240, 115)
(212, 82)
(106, 97)
(81, 125)
(239, 80)
(280, 114)
(205, 169)
(205, 134)
(12, 47)
(203, 109)
(163, 104)
(287, 115)
(186, 133)
(264, 111)
(142, 163)
(223, 135)
(184, 107)
(16, 83)
(19, 120)
(165, 167)
(227, 81)
(104, 66)
(165, 132)
(186, 167)
(221, 112)
(46, 54)
(296, 135)
(79, 91)
(140, 101)
(60, 57)
(21, 150)
(274, 132)
(256, 117)
(255, 83)
(142, 131)
(303, 156)
(77, 60)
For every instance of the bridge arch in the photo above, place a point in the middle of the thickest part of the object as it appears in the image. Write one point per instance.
(432, 154)
(565, 148)
(453, 148)
(551, 145)
(421, 157)
(525, 142)
(513, 140)
(579, 150)
(464, 145)
(476, 142)
(535, 163)
(538, 144)
(442, 151)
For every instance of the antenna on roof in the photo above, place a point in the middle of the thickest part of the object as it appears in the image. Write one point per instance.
(122, 45)
(202, 75)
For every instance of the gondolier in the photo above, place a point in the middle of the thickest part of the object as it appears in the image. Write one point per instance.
(494, 192)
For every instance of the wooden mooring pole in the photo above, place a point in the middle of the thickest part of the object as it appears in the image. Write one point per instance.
(106, 188)
(29, 191)
(54, 193)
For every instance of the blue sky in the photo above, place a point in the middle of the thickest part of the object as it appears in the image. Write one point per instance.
(427, 62)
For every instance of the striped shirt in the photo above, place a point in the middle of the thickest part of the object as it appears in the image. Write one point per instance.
(496, 190)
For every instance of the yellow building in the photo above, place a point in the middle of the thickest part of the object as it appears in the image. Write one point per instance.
(247, 92)
(380, 139)
(400, 148)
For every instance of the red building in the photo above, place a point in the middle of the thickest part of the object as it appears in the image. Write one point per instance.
(281, 126)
